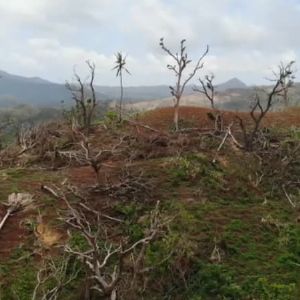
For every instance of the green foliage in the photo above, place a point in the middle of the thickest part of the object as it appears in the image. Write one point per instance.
(195, 168)
(213, 282)
(78, 242)
(129, 210)
(111, 117)
(264, 290)
(218, 282)
(22, 286)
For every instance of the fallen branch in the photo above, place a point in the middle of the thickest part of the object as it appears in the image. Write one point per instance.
(51, 191)
(134, 123)
(234, 140)
(223, 142)
(208, 131)
(288, 197)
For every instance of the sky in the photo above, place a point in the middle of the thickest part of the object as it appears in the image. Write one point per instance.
(49, 38)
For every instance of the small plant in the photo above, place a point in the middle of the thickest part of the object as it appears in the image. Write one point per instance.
(111, 117)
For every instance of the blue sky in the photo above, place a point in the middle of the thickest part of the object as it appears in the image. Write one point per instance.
(47, 38)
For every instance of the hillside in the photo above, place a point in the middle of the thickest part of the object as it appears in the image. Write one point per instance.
(231, 99)
(16, 90)
(203, 224)
(143, 93)
(232, 95)
(34, 91)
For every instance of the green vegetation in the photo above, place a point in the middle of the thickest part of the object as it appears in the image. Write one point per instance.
(232, 234)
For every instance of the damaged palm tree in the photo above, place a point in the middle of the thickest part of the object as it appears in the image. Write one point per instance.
(15, 203)
(120, 66)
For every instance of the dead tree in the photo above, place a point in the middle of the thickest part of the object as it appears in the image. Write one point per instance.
(87, 155)
(259, 109)
(105, 260)
(29, 137)
(181, 62)
(59, 273)
(209, 91)
(96, 159)
(286, 82)
(130, 186)
(84, 96)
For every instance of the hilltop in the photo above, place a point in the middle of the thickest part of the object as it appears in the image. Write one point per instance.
(230, 230)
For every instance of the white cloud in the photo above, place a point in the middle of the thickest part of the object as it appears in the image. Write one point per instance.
(48, 37)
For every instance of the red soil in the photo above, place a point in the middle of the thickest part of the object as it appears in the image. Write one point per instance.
(13, 233)
(162, 118)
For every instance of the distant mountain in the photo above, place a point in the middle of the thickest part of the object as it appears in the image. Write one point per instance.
(34, 91)
(135, 93)
(38, 92)
(233, 83)
(230, 99)
(15, 89)
(146, 93)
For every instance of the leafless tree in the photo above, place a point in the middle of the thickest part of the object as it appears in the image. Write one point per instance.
(209, 91)
(120, 66)
(60, 273)
(88, 155)
(129, 186)
(259, 109)
(181, 62)
(84, 96)
(286, 82)
(105, 260)
(28, 137)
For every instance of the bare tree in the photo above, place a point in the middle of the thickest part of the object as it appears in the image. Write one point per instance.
(29, 136)
(209, 91)
(120, 66)
(59, 273)
(87, 155)
(181, 61)
(286, 82)
(105, 260)
(259, 109)
(84, 96)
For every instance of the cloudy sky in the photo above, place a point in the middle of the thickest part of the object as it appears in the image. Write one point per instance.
(46, 38)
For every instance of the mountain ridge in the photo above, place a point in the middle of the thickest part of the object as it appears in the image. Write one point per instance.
(36, 91)
(16, 89)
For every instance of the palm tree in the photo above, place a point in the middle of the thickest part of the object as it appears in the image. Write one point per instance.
(120, 66)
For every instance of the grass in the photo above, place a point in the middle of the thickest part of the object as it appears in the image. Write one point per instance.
(213, 205)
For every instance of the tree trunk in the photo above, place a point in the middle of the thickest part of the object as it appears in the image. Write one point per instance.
(121, 98)
(176, 115)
